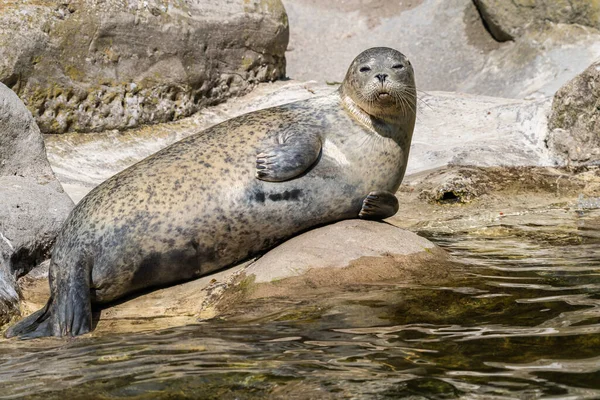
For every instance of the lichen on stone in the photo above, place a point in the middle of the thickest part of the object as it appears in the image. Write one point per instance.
(89, 66)
(575, 119)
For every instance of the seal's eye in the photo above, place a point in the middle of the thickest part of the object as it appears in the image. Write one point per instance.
(366, 68)
(398, 66)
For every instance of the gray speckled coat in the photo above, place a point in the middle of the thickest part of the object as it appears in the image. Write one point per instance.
(229, 192)
(196, 206)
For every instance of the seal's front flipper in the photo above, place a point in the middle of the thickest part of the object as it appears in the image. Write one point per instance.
(288, 159)
(379, 205)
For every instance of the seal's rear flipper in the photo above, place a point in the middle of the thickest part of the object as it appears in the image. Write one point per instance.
(36, 325)
(69, 310)
(71, 318)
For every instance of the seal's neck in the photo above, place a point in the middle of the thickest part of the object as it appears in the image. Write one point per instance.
(387, 126)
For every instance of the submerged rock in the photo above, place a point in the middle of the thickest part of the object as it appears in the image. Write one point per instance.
(86, 65)
(575, 119)
(33, 204)
(334, 257)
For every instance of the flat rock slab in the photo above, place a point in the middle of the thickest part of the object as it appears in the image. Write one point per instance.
(82, 161)
(333, 257)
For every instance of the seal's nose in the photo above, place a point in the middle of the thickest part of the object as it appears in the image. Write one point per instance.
(381, 77)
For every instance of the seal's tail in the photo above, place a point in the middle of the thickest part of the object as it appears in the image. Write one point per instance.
(68, 312)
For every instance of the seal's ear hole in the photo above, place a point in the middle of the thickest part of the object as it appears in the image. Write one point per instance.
(365, 68)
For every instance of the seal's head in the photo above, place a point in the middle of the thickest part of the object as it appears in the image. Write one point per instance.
(380, 81)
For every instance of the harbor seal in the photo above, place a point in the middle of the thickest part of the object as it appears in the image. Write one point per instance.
(233, 191)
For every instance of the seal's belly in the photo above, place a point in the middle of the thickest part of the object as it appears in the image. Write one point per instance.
(215, 228)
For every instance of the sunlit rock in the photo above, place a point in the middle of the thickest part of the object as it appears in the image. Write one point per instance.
(447, 42)
(33, 204)
(87, 65)
(452, 128)
(507, 20)
(575, 118)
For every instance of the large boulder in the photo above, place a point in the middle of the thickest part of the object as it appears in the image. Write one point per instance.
(341, 245)
(87, 65)
(336, 257)
(507, 20)
(575, 119)
(33, 204)
(461, 57)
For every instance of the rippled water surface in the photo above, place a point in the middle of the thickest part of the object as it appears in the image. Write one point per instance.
(522, 320)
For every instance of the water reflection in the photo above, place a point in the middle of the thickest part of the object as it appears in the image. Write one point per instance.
(522, 320)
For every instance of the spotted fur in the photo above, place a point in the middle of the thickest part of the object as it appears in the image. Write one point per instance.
(233, 191)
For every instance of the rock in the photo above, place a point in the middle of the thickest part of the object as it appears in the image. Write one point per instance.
(86, 66)
(333, 257)
(575, 119)
(462, 56)
(507, 20)
(337, 246)
(461, 129)
(33, 204)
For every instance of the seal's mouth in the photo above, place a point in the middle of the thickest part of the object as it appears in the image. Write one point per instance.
(383, 95)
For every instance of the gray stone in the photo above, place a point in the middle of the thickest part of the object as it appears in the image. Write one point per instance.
(335, 246)
(507, 20)
(86, 65)
(446, 41)
(452, 128)
(462, 129)
(575, 119)
(33, 204)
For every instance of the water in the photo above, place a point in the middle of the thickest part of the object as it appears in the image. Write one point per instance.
(521, 320)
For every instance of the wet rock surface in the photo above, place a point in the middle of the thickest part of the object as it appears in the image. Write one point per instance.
(89, 66)
(575, 118)
(466, 198)
(33, 204)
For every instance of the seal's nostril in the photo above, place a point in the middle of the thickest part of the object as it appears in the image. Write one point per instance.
(381, 77)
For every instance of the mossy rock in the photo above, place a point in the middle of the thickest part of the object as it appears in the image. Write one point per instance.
(575, 118)
(135, 65)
